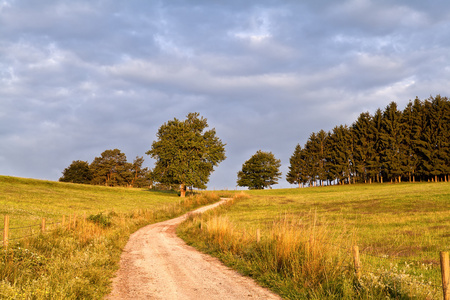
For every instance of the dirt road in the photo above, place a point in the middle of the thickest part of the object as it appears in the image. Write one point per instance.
(156, 264)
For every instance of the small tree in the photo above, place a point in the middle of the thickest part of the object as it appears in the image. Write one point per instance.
(260, 171)
(77, 172)
(140, 176)
(111, 168)
(186, 154)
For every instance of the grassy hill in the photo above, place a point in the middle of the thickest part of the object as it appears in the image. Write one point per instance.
(78, 259)
(26, 201)
(306, 236)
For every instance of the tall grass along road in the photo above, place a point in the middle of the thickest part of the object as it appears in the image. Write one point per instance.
(156, 264)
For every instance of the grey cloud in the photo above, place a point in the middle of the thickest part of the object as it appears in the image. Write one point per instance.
(80, 77)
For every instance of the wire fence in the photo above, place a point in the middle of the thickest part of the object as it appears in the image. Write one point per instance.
(387, 272)
(24, 232)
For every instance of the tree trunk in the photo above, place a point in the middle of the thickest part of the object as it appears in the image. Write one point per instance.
(183, 190)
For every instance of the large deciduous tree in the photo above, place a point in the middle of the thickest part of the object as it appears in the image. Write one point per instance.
(185, 153)
(260, 171)
(77, 172)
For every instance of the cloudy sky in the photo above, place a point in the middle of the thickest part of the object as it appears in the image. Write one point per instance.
(81, 77)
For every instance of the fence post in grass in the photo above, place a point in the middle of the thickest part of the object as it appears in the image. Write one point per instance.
(356, 261)
(445, 270)
(258, 235)
(6, 232)
(43, 225)
(63, 221)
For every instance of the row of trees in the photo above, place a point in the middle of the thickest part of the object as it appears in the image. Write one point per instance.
(110, 169)
(185, 155)
(410, 144)
(389, 145)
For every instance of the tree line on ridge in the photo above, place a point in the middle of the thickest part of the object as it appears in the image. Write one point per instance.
(391, 145)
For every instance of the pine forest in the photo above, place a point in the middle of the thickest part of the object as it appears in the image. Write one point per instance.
(391, 145)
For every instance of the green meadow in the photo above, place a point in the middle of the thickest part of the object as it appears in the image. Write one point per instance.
(75, 260)
(295, 241)
(306, 236)
(27, 201)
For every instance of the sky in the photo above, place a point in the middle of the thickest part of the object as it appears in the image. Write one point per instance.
(80, 77)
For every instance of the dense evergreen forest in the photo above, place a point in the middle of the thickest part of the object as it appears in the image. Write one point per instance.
(391, 145)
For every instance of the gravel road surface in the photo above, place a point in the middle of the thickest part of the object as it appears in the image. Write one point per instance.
(156, 264)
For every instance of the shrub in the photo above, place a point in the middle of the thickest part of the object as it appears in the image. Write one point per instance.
(100, 219)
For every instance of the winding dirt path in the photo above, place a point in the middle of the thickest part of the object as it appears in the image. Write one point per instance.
(156, 264)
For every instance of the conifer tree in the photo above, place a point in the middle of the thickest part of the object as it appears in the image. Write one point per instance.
(364, 146)
(435, 136)
(341, 155)
(375, 166)
(110, 168)
(297, 168)
(312, 150)
(392, 155)
(409, 120)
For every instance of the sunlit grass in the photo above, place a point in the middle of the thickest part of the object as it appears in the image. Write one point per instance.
(78, 259)
(27, 201)
(400, 230)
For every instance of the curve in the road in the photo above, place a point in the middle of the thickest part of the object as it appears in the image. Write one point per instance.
(156, 264)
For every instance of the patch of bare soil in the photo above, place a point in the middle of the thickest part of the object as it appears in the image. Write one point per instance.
(156, 264)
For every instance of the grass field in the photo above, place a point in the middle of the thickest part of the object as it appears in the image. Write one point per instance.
(28, 200)
(399, 228)
(78, 260)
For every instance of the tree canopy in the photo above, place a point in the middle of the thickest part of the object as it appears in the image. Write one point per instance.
(77, 172)
(185, 153)
(260, 171)
(110, 169)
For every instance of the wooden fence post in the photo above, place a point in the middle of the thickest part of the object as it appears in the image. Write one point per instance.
(63, 221)
(258, 235)
(445, 270)
(43, 225)
(6, 232)
(74, 221)
(356, 261)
